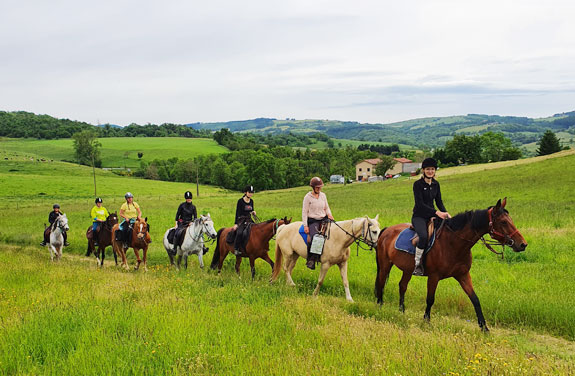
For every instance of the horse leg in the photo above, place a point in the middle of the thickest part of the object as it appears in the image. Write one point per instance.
(186, 261)
(405, 278)
(289, 265)
(381, 280)
(253, 267)
(52, 250)
(323, 271)
(201, 258)
(267, 258)
(343, 272)
(146, 259)
(238, 263)
(465, 282)
(432, 282)
(223, 254)
(138, 259)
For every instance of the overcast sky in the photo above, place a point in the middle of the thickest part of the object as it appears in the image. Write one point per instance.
(369, 61)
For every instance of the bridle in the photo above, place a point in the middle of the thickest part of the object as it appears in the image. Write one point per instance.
(363, 237)
(203, 228)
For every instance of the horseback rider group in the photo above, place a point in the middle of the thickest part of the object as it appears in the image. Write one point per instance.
(315, 214)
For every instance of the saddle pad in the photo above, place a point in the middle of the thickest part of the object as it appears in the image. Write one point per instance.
(303, 234)
(171, 236)
(403, 241)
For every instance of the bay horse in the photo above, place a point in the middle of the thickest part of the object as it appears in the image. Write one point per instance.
(139, 240)
(290, 244)
(105, 236)
(193, 242)
(56, 238)
(450, 255)
(258, 245)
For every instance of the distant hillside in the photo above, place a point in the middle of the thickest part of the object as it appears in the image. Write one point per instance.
(433, 131)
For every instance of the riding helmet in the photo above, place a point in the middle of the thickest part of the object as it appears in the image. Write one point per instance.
(55, 206)
(249, 189)
(128, 195)
(429, 162)
(316, 182)
(98, 199)
(188, 195)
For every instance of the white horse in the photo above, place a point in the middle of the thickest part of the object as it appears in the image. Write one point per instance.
(193, 240)
(290, 244)
(56, 238)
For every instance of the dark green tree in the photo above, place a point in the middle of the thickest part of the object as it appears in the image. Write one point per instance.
(386, 163)
(87, 148)
(548, 143)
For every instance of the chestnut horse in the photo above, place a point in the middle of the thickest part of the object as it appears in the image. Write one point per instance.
(450, 255)
(139, 240)
(258, 244)
(104, 236)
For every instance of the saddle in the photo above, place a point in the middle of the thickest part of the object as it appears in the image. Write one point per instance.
(244, 232)
(430, 231)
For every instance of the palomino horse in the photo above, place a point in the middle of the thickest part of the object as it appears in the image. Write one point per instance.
(290, 244)
(258, 244)
(139, 240)
(56, 238)
(105, 236)
(193, 240)
(450, 255)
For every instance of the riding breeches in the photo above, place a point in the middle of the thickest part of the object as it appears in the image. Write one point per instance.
(420, 226)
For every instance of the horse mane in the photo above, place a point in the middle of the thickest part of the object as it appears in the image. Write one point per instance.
(477, 219)
(269, 220)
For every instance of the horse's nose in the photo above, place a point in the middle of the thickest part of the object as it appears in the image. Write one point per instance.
(522, 247)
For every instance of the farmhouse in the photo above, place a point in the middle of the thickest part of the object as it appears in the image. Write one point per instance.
(366, 168)
(403, 165)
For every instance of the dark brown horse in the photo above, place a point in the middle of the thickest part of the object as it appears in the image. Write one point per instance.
(450, 256)
(104, 237)
(139, 240)
(258, 245)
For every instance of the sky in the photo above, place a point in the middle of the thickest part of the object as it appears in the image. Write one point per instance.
(124, 62)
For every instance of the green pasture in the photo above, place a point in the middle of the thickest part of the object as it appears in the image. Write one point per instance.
(71, 317)
(117, 151)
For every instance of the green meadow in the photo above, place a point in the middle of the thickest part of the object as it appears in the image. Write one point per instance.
(117, 151)
(74, 318)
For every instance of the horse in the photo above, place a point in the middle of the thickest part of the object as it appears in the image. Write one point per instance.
(139, 240)
(105, 237)
(56, 238)
(450, 255)
(258, 245)
(193, 240)
(290, 244)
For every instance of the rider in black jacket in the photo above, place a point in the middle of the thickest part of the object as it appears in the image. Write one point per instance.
(51, 218)
(425, 191)
(244, 211)
(186, 214)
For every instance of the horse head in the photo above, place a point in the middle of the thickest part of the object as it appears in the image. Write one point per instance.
(371, 230)
(112, 219)
(141, 229)
(62, 222)
(502, 228)
(208, 225)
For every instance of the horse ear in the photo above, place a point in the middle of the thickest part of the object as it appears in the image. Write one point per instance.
(497, 206)
(146, 219)
(504, 203)
(377, 218)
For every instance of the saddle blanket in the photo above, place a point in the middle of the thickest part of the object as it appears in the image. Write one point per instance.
(303, 234)
(403, 241)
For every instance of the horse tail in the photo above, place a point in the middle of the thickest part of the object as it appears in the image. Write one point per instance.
(377, 252)
(278, 260)
(216, 258)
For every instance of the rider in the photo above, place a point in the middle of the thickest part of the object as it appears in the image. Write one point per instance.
(244, 212)
(51, 218)
(425, 191)
(315, 210)
(99, 215)
(130, 211)
(186, 214)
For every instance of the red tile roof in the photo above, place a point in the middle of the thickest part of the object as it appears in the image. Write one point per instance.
(402, 160)
(373, 161)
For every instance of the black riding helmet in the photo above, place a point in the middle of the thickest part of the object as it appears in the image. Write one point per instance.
(98, 199)
(188, 195)
(55, 206)
(248, 188)
(429, 162)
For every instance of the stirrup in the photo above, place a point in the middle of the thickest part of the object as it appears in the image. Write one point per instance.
(310, 264)
(418, 271)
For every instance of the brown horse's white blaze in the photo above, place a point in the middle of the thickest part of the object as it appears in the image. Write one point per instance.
(289, 244)
(450, 255)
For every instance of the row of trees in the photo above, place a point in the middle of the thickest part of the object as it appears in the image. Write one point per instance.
(488, 147)
(267, 168)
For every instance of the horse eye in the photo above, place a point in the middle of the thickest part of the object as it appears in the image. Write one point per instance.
(504, 223)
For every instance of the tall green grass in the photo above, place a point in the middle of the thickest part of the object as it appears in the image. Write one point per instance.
(72, 317)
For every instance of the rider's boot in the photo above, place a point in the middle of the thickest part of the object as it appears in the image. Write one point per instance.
(205, 249)
(237, 252)
(65, 235)
(418, 267)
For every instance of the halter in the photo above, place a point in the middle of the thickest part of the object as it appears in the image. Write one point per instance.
(59, 225)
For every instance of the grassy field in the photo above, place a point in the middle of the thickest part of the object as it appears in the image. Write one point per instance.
(117, 151)
(74, 318)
